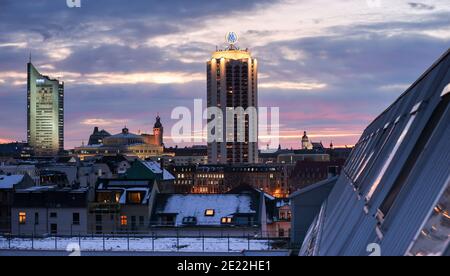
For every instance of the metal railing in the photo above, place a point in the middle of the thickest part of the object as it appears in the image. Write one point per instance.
(142, 243)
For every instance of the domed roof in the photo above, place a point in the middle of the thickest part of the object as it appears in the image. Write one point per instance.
(123, 138)
(126, 134)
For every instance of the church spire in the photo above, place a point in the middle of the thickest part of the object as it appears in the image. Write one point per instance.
(158, 123)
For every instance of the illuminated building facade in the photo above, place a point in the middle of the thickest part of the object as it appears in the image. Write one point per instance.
(45, 107)
(232, 76)
(216, 179)
(126, 143)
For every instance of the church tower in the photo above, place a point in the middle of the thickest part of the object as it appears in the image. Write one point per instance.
(158, 132)
(306, 143)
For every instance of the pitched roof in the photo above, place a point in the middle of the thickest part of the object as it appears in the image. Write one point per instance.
(155, 167)
(327, 182)
(195, 205)
(8, 181)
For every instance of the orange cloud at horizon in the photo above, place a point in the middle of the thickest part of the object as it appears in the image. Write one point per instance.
(5, 141)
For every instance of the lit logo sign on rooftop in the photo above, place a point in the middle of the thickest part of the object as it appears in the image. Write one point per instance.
(232, 38)
(40, 81)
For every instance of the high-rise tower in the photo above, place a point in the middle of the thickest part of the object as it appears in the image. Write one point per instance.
(232, 82)
(45, 110)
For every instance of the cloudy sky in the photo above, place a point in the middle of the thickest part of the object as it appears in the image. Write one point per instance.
(330, 66)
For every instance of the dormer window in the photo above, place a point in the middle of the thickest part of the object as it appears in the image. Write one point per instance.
(134, 197)
(226, 220)
(189, 220)
(210, 213)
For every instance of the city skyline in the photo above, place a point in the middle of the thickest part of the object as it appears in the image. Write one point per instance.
(322, 59)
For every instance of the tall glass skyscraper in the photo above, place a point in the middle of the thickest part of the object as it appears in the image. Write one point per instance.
(45, 109)
(232, 82)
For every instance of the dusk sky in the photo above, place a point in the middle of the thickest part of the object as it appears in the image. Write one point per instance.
(330, 66)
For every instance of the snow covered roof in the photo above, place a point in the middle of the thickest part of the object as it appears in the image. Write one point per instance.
(8, 181)
(155, 167)
(195, 205)
(38, 188)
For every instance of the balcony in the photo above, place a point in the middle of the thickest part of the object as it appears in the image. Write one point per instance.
(104, 208)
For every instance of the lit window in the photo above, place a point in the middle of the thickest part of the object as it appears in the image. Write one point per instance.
(123, 220)
(117, 197)
(134, 197)
(22, 217)
(226, 220)
(209, 212)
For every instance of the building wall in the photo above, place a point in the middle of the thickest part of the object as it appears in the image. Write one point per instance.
(5, 211)
(305, 207)
(306, 173)
(144, 151)
(63, 220)
(107, 218)
(209, 182)
(103, 222)
(221, 179)
(232, 82)
(279, 229)
(45, 108)
(6, 202)
(137, 212)
(294, 158)
(158, 136)
(114, 222)
(272, 182)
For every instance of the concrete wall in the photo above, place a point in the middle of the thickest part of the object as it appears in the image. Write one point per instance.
(111, 222)
(63, 221)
